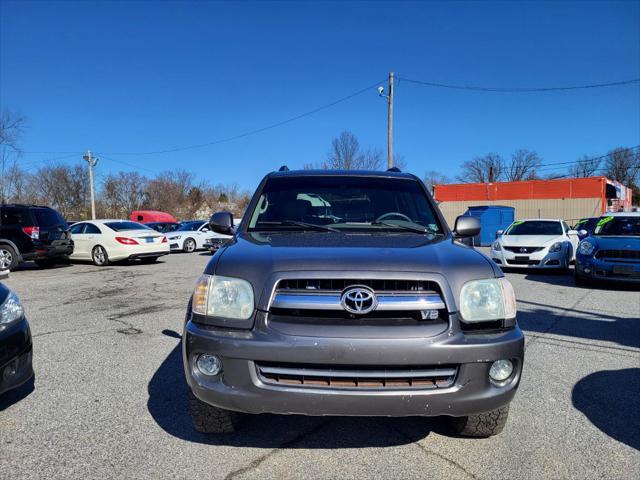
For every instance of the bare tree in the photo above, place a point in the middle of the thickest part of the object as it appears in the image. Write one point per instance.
(123, 193)
(584, 167)
(11, 128)
(433, 177)
(623, 165)
(63, 187)
(344, 153)
(482, 169)
(524, 165)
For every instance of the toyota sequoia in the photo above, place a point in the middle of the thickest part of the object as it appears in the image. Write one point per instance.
(346, 293)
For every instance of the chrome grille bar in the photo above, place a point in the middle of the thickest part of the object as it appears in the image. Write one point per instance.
(342, 373)
(331, 301)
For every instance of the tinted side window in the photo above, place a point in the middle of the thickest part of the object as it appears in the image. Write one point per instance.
(77, 228)
(13, 216)
(91, 228)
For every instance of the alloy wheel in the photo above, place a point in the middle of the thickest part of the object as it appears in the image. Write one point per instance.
(6, 258)
(99, 256)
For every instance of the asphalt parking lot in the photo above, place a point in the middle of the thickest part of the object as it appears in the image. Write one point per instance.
(109, 399)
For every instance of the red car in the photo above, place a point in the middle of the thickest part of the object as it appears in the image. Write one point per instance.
(148, 216)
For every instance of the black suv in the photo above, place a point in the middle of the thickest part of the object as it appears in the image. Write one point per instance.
(32, 232)
(346, 293)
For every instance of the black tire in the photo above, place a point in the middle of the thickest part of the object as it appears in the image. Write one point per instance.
(99, 256)
(209, 419)
(48, 263)
(579, 280)
(8, 258)
(148, 260)
(482, 424)
(189, 245)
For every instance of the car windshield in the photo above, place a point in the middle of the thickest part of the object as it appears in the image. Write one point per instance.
(354, 203)
(123, 226)
(587, 224)
(189, 227)
(534, 227)
(618, 226)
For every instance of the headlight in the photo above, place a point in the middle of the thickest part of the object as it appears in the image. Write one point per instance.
(10, 311)
(496, 245)
(586, 247)
(175, 237)
(487, 300)
(556, 247)
(224, 297)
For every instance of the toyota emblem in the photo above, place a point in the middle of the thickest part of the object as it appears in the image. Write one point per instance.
(359, 300)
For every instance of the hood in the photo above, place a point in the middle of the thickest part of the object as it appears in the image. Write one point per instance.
(257, 257)
(529, 240)
(616, 243)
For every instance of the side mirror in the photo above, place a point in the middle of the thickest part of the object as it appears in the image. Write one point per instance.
(222, 222)
(499, 232)
(466, 226)
(583, 233)
(573, 232)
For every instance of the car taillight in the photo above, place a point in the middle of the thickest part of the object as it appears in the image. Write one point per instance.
(126, 241)
(164, 239)
(33, 232)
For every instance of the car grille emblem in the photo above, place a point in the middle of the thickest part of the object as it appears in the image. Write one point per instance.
(523, 250)
(359, 300)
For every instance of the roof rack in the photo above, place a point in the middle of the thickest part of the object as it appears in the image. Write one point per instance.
(394, 169)
(283, 168)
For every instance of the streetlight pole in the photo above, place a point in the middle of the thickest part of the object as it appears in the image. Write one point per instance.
(389, 98)
(92, 161)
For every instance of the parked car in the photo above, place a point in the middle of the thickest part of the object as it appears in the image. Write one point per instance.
(105, 241)
(585, 226)
(32, 232)
(146, 216)
(190, 236)
(164, 227)
(217, 240)
(612, 251)
(15, 341)
(536, 243)
(360, 305)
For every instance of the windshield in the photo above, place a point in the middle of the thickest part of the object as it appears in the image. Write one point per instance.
(346, 203)
(123, 226)
(587, 224)
(534, 227)
(190, 227)
(618, 226)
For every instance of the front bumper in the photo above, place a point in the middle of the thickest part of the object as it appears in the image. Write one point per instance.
(541, 259)
(619, 271)
(240, 388)
(15, 356)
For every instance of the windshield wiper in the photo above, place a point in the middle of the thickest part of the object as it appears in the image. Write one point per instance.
(296, 223)
(403, 227)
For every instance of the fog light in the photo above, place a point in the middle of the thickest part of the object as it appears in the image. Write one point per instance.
(587, 270)
(209, 364)
(501, 370)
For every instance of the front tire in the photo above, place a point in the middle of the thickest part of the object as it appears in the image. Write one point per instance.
(8, 258)
(189, 245)
(99, 256)
(579, 280)
(482, 424)
(209, 419)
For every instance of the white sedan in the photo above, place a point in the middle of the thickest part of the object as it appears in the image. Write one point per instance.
(536, 243)
(104, 241)
(191, 236)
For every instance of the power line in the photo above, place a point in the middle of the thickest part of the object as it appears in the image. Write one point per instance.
(518, 89)
(252, 132)
(559, 165)
(105, 157)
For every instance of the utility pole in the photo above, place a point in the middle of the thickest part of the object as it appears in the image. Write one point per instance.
(389, 119)
(92, 161)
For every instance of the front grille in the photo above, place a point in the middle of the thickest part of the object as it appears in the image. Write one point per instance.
(379, 286)
(357, 377)
(523, 249)
(627, 255)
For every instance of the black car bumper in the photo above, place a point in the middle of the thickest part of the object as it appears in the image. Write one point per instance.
(15, 356)
(49, 252)
(242, 386)
(619, 271)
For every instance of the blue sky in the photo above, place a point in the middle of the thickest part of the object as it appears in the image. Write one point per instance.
(128, 77)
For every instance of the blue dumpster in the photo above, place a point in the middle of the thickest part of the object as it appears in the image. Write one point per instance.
(492, 218)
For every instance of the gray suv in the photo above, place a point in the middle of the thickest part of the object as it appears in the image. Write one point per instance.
(345, 293)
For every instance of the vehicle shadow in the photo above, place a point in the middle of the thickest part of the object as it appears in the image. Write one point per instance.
(31, 266)
(609, 399)
(168, 406)
(14, 396)
(591, 325)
